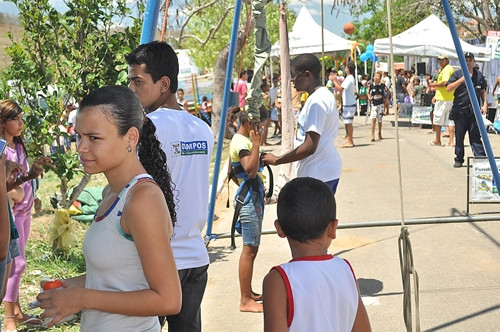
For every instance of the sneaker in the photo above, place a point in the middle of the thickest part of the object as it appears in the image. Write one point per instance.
(457, 164)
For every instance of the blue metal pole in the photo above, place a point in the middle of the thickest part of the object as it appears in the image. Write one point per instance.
(472, 94)
(150, 21)
(223, 115)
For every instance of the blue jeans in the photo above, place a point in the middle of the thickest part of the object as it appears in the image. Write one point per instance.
(193, 283)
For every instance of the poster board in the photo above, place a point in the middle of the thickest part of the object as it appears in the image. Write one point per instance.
(482, 181)
(493, 43)
(421, 115)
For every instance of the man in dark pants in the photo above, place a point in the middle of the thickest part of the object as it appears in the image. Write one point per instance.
(462, 112)
(187, 142)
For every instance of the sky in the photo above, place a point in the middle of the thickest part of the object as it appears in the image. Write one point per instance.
(334, 22)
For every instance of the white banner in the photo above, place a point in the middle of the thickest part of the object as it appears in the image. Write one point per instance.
(421, 115)
(493, 43)
(483, 183)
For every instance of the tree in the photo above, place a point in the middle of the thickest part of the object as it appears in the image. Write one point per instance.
(62, 57)
(206, 32)
(407, 13)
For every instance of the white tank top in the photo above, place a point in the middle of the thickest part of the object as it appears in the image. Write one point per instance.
(321, 294)
(113, 264)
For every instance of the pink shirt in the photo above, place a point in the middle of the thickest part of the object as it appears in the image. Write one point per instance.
(241, 88)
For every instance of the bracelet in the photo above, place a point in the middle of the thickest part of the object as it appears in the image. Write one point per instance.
(20, 179)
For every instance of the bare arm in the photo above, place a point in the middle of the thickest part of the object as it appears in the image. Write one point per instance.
(4, 214)
(337, 84)
(304, 150)
(454, 85)
(250, 161)
(361, 322)
(497, 82)
(152, 240)
(275, 303)
(484, 108)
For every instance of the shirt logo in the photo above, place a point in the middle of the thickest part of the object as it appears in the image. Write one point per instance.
(189, 148)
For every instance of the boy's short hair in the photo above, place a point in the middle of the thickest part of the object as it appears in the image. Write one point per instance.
(160, 59)
(303, 62)
(352, 68)
(305, 208)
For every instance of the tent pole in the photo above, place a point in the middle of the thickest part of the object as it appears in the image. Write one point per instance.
(223, 116)
(472, 94)
(150, 21)
(322, 45)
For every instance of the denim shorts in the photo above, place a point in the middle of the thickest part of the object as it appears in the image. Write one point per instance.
(13, 249)
(251, 216)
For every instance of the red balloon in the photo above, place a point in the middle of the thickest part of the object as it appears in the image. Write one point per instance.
(349, 28)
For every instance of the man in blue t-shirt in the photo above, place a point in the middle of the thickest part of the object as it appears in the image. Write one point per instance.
(462, 112)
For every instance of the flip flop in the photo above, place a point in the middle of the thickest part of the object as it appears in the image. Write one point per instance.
(431, 143)
(345, 146)
(31, 321)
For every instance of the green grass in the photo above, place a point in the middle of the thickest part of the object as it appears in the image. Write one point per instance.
(43, 263)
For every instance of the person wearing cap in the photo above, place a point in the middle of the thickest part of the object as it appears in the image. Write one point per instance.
(462, 112)
(444, 101)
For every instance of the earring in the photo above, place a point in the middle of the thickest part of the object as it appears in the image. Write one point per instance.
(129, 149)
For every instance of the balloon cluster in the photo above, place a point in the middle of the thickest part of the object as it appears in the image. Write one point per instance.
(368, 55)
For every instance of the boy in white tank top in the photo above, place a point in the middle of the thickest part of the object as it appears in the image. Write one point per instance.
(315, 291)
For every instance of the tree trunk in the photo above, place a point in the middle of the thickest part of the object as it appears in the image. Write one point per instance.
(220, 76)
(287, 128)
(76, 191)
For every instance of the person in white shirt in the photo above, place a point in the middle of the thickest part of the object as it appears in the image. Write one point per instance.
(348, 89)
(317, 127)
(188, 144)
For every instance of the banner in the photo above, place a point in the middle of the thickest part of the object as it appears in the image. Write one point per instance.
(483, 183)
(493, 43)
(421, 115)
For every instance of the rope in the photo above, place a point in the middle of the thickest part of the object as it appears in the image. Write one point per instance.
(164, 25)
(244, 48)
(405, 252)
(407, 269)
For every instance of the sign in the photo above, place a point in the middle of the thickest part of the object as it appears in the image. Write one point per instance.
(493, 43)
(483, 183)
(421, 115)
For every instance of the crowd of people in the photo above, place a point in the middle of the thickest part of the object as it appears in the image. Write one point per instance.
(154, 206)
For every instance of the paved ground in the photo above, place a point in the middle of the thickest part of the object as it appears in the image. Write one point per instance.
(458, 264)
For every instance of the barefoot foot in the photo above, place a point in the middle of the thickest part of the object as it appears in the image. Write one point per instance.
(251, 306)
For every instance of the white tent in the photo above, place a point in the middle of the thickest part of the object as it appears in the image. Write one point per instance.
(431, 37)
(306, 37)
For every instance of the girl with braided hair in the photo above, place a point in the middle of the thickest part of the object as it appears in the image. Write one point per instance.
(131, 273)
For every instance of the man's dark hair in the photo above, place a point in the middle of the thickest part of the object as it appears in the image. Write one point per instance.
(160, 60)
(309, 62)
(305, 208)
(352, 68)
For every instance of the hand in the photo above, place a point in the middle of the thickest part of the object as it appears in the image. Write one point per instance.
(268, 159)
(37, 170)
(13, 169)
(61, 302)
(255, 137)
(484, 110)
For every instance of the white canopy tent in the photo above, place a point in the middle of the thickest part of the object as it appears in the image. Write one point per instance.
(430, 38)
(306, 37)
